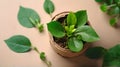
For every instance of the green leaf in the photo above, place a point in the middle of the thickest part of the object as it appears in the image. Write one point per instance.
(18, 43)
(72, 28)
(114, 10)
(116, 1)
(95, 52)
(75, 44)
(112, 57)
(109, 2)
(66, 28)
(42, 56)
(56, 29)
(113, 21)
(104, 7)
(24, 16)
(49, 6)
(71, 19)
(100, 1)
(87, 33)
(82, 17)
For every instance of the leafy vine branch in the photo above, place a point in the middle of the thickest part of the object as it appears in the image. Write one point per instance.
(29, 18)
(43, 57)
(21, 44)
(112, 8)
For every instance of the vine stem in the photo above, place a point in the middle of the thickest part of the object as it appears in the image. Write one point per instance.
(32, 21)
(48, 63)
(50, 15)
(111, 5)
(37, 24)
(34, 48)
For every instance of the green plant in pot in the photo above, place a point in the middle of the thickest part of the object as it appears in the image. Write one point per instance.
(70, 33)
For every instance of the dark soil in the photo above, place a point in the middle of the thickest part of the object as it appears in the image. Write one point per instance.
(61, 41)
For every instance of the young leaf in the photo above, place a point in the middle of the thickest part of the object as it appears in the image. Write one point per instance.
(19, 43)
(71, 19)
(95, 52)
(69, 30)
(49, 6)
(56, 29)
(87, 33)
(104, 8)
(42, 56)
(112, 57)
(72, 28)
(81, 17)
(113, 21)
(24, 16)
(75, 44)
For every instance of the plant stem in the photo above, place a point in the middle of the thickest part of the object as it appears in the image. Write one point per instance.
(40, 27)
(37, 24)
(111, 5)
(34, 48)
(48, 63)
(50, 15)
(32, 21)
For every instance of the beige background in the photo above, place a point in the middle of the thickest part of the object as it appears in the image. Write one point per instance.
(9, 26)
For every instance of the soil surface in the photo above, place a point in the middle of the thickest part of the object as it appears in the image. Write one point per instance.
(61, 41)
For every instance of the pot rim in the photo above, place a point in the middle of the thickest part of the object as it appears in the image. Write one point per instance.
(65, 12)
(66, 52)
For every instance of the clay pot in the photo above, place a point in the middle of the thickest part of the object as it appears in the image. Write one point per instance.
(63, 51)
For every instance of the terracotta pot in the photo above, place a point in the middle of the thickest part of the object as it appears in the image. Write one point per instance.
(63, 51)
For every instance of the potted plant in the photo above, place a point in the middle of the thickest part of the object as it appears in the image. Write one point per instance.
(70, 33)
